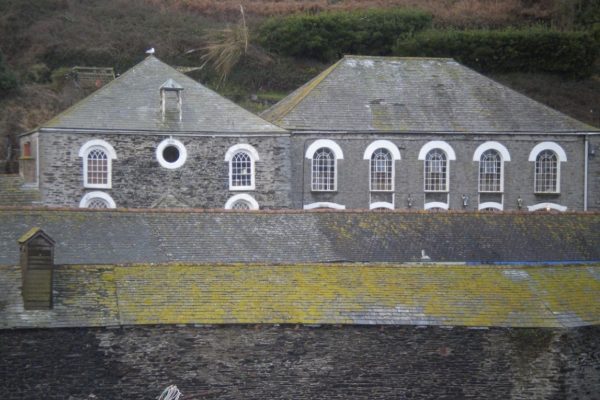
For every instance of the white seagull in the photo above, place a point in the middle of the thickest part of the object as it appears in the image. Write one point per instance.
(150, 50)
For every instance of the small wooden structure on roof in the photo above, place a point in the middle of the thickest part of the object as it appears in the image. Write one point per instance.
(37, 265)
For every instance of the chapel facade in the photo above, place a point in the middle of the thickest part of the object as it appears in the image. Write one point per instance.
(367, 133)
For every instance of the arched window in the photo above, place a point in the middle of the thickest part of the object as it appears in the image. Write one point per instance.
(241, 201)
(241, 158)
(241, 171)
(547, 157)
(490, 171)
(97, 164)
(97, 200)
(382, 171)
(381, 155)
(323, 170)
(436, 171)
(546, 172)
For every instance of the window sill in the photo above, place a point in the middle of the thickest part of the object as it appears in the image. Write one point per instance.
(88, 186)
(546, 193)
(241, 188)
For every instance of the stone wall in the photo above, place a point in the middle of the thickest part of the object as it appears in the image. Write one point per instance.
(353, 171)
(594, 173)
(139, 181)
(288, 362)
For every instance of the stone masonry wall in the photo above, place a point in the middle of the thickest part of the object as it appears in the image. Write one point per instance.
(353, 171)
(594, 173)
(287, 362)
(139, 181)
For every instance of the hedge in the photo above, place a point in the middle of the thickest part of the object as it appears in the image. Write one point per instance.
(526, 50)
(327, 36)
(8, 79)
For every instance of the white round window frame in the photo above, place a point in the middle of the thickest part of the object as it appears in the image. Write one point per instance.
(85, 200)
(182, 153)
(243, 197)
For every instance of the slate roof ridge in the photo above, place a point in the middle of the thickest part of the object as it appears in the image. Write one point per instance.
(296, 113)
(281, 211)
(592, 129)
(93, 94)
(181, 79)
(280, 109)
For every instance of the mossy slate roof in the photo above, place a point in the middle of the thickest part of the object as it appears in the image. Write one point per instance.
(290, 237)
(412, 95)
(132, 102)
(510, 296)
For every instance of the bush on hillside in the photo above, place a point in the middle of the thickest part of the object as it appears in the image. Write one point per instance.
(8, 80)
(526, 50)
(327, 36)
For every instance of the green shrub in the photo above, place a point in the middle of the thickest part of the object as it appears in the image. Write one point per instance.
(327, 36)
(8, 79)
(526, 50)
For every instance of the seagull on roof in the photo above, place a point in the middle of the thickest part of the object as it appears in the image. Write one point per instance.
(150, 50)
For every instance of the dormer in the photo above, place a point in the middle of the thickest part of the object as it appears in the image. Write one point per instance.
(171, 100)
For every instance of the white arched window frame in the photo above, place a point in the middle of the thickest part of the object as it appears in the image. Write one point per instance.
(241, 158)
(382, 155)
(491, 157)
(324, 154)
(242, 201)
(324, 204)
(547, 157)
(97, 200)
(436, 155)
(491, 205)
(435, 205)
(97, 158)
(547, 207)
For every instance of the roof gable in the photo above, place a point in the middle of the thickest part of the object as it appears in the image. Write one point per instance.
(413, 95)
(133, 102)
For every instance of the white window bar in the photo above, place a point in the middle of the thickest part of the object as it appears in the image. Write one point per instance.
(436, 171)
(97, 167)
(323, 170)
(241, 205)
(241, 170)
(546, 172)
(97, 202)
(490, 172)
(381, 170)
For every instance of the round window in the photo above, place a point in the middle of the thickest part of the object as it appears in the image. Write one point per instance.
(171, 153)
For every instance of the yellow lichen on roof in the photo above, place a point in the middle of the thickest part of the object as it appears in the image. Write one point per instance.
(460, 295)
(346, 294)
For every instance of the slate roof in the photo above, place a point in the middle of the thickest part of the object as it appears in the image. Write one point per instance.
(411, 95)
(556, 296)
(132, 102)
(291, 237)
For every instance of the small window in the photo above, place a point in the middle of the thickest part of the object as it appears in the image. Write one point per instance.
(97, 200)
(241, 202)
(97, 203)
(26, 149)
(241, 205)
(382, 171)
(490, 172)
(436, 171)
(546, 172)
(323, 170)
(171, 153)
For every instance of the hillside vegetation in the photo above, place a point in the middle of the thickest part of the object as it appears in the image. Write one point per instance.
(43, 39)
